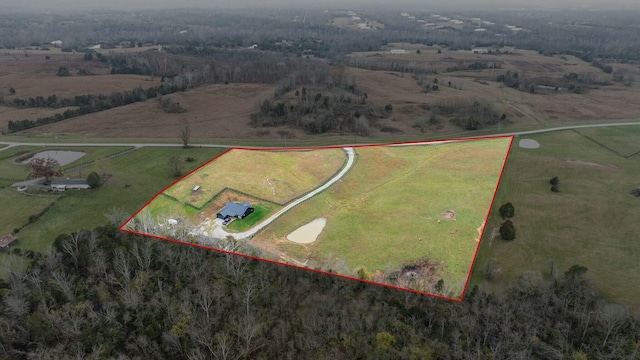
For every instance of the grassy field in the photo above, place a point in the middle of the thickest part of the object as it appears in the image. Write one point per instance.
(385, 212)
(624, 140)
(262, 210)
(275, 176)
(145, 170)
(223, 111)
(16, 209)
(592, 221)
(12, 170)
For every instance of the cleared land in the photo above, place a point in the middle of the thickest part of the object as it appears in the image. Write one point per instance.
(386, 214)
(276, 176)
(592, 221)
(223, 111)
(602, 102)
(145, 171)
(220, 111)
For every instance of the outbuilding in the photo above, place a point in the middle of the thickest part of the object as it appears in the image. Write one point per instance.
(7, 241)
(62, 185)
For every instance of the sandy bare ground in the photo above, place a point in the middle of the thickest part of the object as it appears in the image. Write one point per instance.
(220, 111)
(307, 233)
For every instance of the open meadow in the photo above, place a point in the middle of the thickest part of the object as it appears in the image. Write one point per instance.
(592, 221)
(212, 111)
(276, 176)
(394, 211)
(223, 111)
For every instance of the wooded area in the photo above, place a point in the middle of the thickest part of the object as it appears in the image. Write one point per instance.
(104, 293)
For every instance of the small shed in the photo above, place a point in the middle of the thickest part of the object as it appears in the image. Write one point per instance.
(7, 241)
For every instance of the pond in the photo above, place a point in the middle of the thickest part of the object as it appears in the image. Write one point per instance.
(63, 157)
(528, 144)
(308, 233)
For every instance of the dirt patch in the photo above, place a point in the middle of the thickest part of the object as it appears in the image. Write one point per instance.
(308, 233)
(449, 215)
(426, 272)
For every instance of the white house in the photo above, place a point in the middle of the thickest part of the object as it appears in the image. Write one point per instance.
(56, 43)
(63, 185)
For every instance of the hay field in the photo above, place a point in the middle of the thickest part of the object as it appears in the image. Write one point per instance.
(213, 111)
(615, 101)
(385, 212)
(33, 76)
(592, 221)
(274, 176)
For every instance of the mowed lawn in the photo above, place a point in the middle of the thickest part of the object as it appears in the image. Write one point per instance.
(592, 221)
(277, 176)
(385, 212)
(146, 172)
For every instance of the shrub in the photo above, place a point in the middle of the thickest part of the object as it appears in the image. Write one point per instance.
(506, 210)
(93, 180)
(507, 230)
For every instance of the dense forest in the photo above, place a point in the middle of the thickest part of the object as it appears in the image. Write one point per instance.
(106, 294)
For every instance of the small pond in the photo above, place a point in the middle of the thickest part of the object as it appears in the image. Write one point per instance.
(63, 157)
(308, 233)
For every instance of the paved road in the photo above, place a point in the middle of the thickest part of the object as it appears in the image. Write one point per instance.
(571, 127)
(220, 233)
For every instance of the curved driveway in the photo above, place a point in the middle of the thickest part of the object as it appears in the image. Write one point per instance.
(220, 233)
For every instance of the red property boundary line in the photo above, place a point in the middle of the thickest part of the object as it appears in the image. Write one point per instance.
(473, 261)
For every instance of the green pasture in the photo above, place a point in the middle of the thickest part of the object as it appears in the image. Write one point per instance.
(274, 176)
(624, 140)
(16, 208)
(135, 178)
(385, 212)
(591, 221)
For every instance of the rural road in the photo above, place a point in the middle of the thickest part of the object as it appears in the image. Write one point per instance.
(140, 145)
(220, 233)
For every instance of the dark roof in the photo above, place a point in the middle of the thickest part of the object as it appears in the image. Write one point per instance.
(69, 182)
(7, 240)
(234, 209)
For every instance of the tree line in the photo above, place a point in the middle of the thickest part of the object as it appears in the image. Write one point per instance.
(86, 104)
(103, 294)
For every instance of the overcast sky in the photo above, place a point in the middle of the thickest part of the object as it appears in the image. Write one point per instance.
(48, 5)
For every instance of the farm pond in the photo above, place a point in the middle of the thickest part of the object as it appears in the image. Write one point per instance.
(63, 157)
